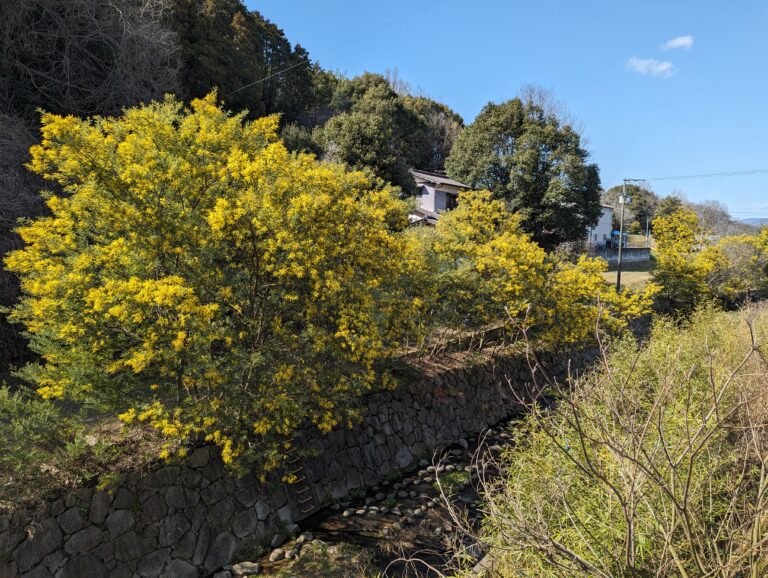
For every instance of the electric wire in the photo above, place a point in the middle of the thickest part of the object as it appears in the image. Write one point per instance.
(351, 41)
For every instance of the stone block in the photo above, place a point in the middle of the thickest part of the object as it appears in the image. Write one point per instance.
(57, 508)
(214, 493)
(285, 514)
(124, 499)
(39, 572)
(221, 551)
(220, 513)
(105, 550)
(175, 498)
(154, 509)
(198, 517)
(100, 506)
(129, 547)
(71, 520)
(199, 457)
(248, 496)
(151, 565)
(164, 477)
(119, 522)
(53, 561)
(172, 528)
(44, 539)
(262, 509)
(84, 565)
(180, 569)
(214, 470)
(185, 549)
(121, 572)
(245, 522)
(84, 541)
(201, 548)
(192, 479)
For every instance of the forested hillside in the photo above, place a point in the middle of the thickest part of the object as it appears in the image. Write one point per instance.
(87, 58)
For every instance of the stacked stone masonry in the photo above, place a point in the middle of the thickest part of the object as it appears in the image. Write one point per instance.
(188, 521)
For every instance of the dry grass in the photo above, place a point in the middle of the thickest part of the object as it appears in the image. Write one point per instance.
(634, 275)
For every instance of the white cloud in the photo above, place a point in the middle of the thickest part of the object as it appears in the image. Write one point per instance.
(684, 42)
(652, 67)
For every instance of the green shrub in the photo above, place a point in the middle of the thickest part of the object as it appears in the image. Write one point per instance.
(44, 449)
(654, 466)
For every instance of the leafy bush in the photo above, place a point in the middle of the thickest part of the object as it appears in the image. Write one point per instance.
(655, 466)
(43, 449)
(28, 425)
(735, 268)
(202, 279)
(488, 270)
(691, 271)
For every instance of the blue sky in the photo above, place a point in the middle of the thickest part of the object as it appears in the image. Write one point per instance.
(648, 109)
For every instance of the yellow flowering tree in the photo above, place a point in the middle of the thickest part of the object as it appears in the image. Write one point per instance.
(199, 277)
(734, 268)
(493, 271)
(679, 273)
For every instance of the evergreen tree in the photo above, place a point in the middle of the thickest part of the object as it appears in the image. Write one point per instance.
(529, 158)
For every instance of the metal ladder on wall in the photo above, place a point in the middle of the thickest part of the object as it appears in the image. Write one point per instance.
(306, 502)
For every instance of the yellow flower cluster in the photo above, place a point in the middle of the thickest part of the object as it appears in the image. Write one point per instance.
(497, 272)
(200, 278)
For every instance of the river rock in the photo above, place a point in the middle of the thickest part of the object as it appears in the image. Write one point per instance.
(246, 568)
(305, 538)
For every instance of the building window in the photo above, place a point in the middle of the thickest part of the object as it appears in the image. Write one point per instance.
(451, 201)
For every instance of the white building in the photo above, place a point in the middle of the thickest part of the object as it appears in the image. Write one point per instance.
(435, 193)
(600, 234)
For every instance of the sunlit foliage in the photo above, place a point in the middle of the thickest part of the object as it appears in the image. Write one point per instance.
(494, 271)
(199, 277)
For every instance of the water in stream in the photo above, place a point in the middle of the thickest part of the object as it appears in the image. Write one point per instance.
(403, 527)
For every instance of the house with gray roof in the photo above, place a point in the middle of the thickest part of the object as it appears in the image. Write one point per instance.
(435, 193)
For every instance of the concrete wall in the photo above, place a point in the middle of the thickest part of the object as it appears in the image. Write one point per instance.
(426, 197)
(602, 231)
(628, 254)
(435, 199)
(188, 520)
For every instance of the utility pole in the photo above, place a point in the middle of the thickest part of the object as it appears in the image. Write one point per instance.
(647, 231)
(623, 201)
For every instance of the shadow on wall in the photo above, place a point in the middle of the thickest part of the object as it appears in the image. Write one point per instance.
(179, 519)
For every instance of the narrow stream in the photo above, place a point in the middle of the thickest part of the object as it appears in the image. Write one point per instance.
(403, 526)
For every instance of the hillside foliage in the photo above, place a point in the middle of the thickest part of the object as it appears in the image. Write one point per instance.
(197, 276)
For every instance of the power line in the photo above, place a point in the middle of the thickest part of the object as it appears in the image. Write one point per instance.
(352, 41)
(705, 175)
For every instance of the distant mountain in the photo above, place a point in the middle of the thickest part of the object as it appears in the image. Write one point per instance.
(756, 221)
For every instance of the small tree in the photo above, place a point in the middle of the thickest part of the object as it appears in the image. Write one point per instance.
(682, 278)
(199, 277)
(375, 130)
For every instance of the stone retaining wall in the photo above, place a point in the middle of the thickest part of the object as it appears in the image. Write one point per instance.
(188, 521)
